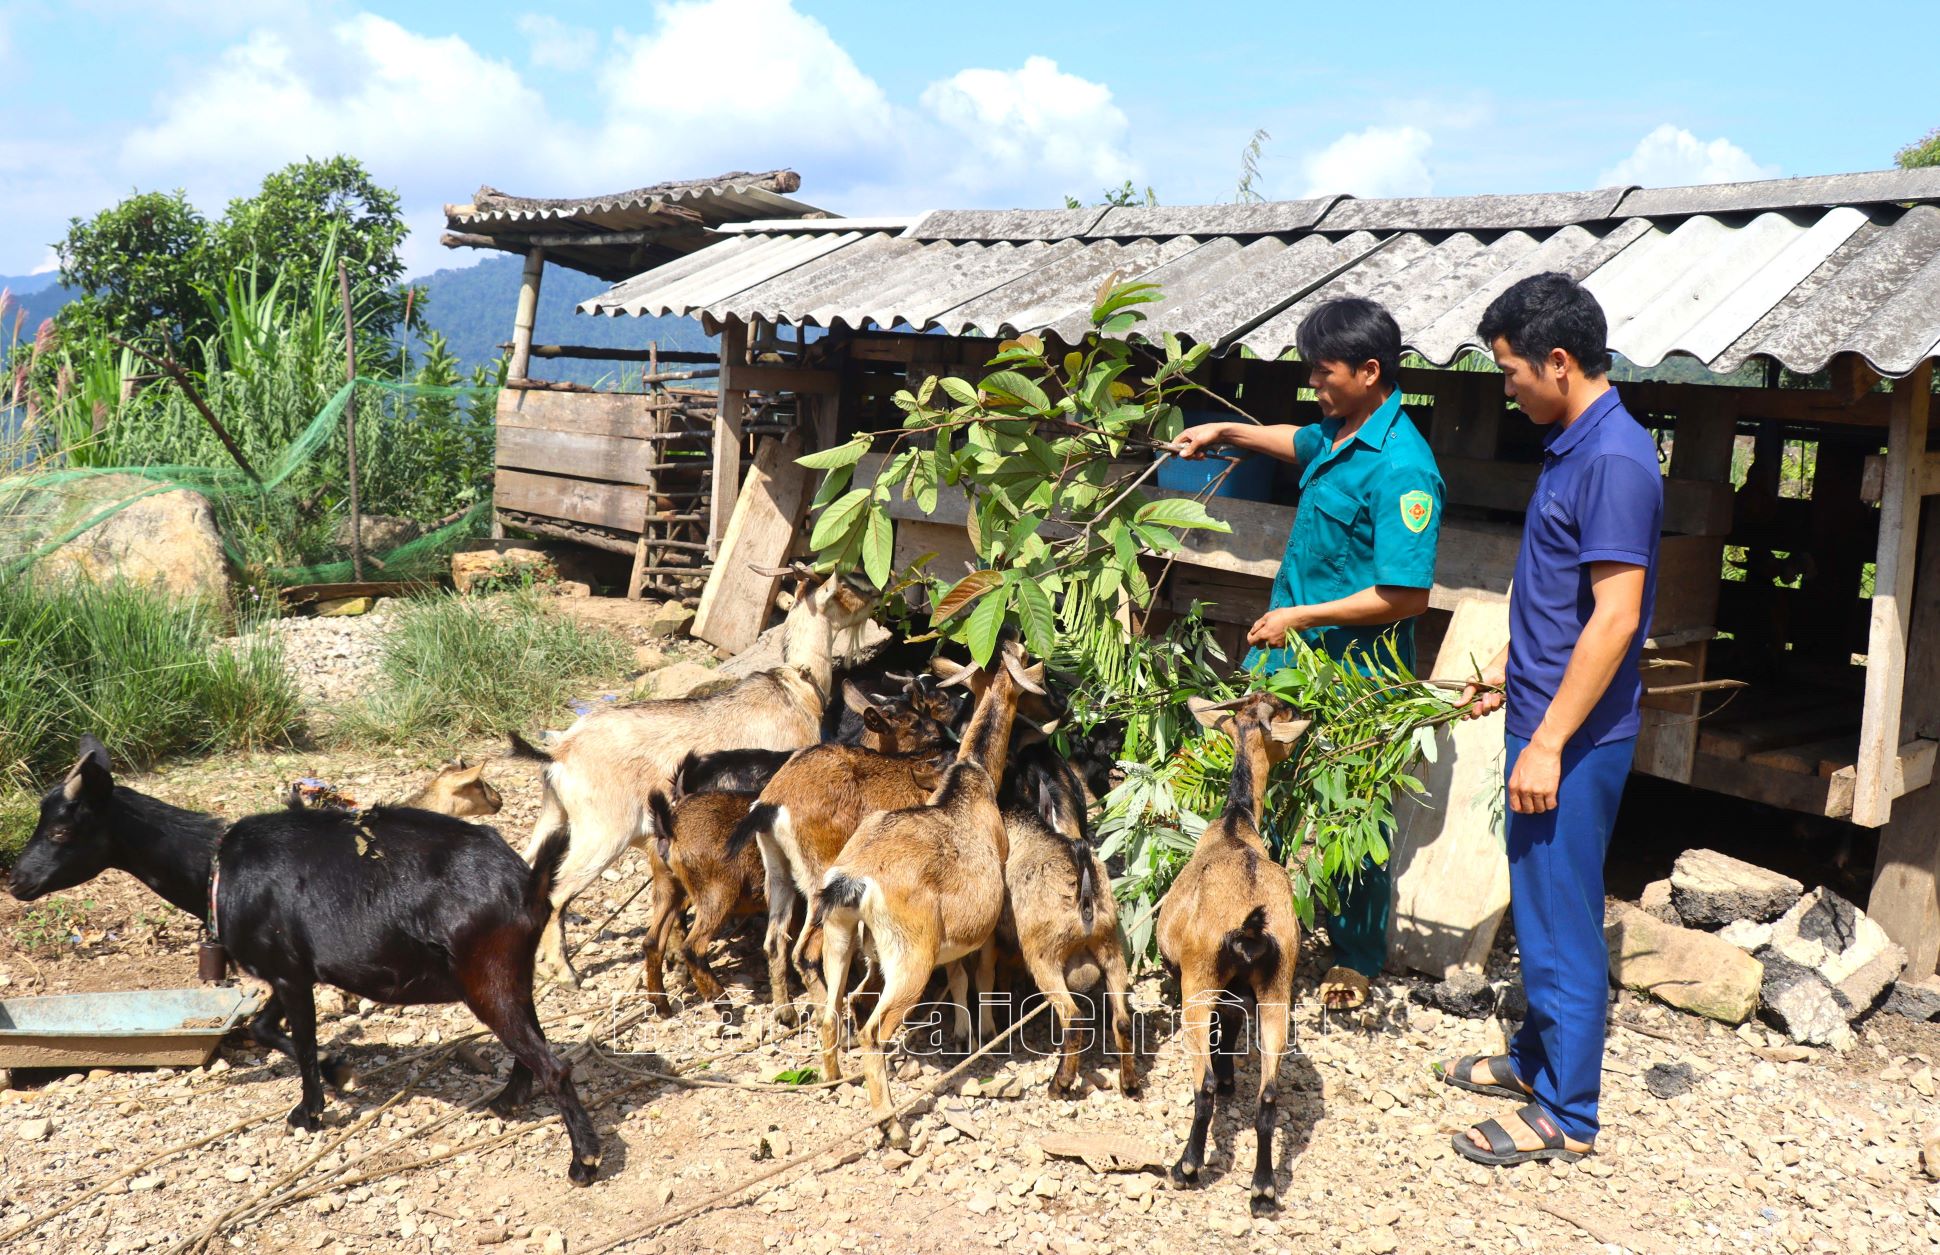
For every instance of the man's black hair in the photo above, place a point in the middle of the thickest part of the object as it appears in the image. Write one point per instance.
(1550, 311)
(1352, 329)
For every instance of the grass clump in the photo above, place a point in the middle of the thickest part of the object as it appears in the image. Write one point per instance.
(144, 672)
(454, 668)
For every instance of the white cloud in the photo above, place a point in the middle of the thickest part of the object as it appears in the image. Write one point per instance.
(1671, 156)
(1379, 161)
(552, 43)
(48, 264)
(1029, 128)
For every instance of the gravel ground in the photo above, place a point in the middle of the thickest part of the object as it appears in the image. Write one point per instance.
(1774, 1148)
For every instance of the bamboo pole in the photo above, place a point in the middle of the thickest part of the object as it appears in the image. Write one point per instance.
(528, 313)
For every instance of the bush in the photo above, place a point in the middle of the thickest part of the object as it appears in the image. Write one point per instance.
(144, 673)
(454, 668)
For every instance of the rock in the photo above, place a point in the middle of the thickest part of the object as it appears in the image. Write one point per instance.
(1511, 1001)
(487, 570)
(1711, 890)
(1692, 971)
(1930, 1154)
(684, 679)
(1668, 1080)
(775, 1144)
(1800, 1001)
(669, 618)
(1466, 994)
(142, 1185)
(1843, 945)
(344, 607)
(379, 533)
(1747, 936)
(649, 657)
(1656, 902)
(33, 1130)
(1381, 1241)
(570, 588)
(236, 1173)
(6, 1078)
(1914, 999)
(167, 541)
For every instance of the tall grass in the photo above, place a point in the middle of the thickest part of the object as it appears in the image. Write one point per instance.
(454, 668)
(143, 672)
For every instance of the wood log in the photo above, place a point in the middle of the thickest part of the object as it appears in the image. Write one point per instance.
(527, 312)
(733, 412)
(767, 514)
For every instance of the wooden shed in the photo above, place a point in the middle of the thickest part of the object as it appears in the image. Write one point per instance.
(1788, 326)
(630, 468)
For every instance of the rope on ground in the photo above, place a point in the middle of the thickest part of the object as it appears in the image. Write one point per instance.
(724, 1197)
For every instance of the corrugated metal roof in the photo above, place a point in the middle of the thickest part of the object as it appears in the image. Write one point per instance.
(676, 218)
(1791, 270)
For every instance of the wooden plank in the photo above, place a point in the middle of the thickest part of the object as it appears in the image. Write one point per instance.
(1753, 736)
(1813, 758)
(1905, 896)
(622, 507)
(614, 459)
(767, 514)
(631, 414)
(727, 433)
(758, 378)
(1912, 769)
(527, 311)
(1449, 866)
(1467, 416)
(1892, 609)
(1668, 735)
(1691, 507)
(1787, 790)
(1873, 480)
(1702, 441)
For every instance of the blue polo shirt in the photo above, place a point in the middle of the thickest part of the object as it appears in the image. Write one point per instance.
(1370, 513)
(1599, 498)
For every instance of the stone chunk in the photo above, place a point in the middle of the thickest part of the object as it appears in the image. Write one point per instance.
(1800, 1001)
(167, 540)
(1916, 999)
(1656, 902)
(33, 1130)
(1711, 890)
(684, 679)
(1668, 1080)
(1692, 971)
(669, 618)
(1843, 945)
(1747, 936)
(486, 570)
(1466, 994)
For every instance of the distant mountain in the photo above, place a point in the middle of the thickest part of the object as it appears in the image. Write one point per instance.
(473, 308)
(38, 296)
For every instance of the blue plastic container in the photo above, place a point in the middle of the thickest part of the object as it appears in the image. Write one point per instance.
(1251, 479)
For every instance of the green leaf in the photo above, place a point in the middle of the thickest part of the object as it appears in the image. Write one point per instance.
(878, 547)
(1157, 538)
(1040, 624)
(836, 521)
(985, 622)
(1010, 385)
(922, 480)
(797, 1076)
(841, 455)
(1179, 512)
(832, 485)
(960, 390)
(966, 590)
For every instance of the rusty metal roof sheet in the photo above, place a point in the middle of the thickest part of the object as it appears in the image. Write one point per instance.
(1790, 270)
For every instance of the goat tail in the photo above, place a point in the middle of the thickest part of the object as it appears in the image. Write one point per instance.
(545, 874)
(840, 890)
(1087, 884)
(760, 818)
(663, 822)
(1249, 950)
(522, 748)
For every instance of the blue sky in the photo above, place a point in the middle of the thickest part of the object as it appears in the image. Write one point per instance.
(898, 108)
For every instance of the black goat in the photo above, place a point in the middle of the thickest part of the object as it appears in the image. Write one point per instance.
(398, 906)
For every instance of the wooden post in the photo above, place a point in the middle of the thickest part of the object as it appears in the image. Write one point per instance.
(728, 417)
(535, 266)
(1899, 533)
(350, 425)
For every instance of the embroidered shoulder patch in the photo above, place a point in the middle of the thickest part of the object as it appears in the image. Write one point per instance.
(1417, 508)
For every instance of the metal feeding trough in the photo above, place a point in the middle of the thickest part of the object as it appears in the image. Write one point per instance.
(138, 1028)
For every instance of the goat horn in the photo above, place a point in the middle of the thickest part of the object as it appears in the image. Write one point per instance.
(1016, 669)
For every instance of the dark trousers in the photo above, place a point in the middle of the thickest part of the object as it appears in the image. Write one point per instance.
(1556, 893)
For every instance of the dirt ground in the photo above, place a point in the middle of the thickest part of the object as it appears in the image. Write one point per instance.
(1775, 1148)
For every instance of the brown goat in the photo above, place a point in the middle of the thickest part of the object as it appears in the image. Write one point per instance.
(923, 886)
(1227, 925)
(1059, 915)
(458, 791)
(693, 840)
(601, 772)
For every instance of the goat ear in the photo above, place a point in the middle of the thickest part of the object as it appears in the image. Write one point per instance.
(873, 720)
(91, 776)
(953, 673)
(1209, 714)
(1031, 681)
(854, 698)
(1287, 731)
(462, 775)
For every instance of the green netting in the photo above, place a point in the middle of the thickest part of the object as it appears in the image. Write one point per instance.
(424, 458)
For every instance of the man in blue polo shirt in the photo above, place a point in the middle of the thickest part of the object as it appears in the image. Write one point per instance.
(1360, 558)
(1569, 685)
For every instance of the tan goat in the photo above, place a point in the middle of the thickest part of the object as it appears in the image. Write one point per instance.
(457, 790)
(1059, 915)
(601, 772)
(923, 886)
(1227, 925)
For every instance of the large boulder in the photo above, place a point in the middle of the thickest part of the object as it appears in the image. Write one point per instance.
(1799, 1001)
(1711, 890)
(380, 533)
(1843, 945)
(164, 540)
(1691, 970)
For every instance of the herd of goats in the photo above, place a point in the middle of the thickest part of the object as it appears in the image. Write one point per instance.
(932, 826)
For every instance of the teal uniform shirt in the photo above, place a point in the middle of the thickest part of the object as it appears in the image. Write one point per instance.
(1370, 513)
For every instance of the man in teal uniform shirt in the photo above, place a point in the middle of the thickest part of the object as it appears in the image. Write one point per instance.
(1361, 557)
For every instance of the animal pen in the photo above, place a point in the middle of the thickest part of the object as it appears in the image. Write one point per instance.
(1781, 337)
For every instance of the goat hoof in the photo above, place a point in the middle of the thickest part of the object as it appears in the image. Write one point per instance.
(1263, 1203)
(896, 1135)
(1131, 1089)
(301, 1117)
(505, 1105)
(1224, 1089)
(1185, 1174)
(337, 1074)
(582, 1173)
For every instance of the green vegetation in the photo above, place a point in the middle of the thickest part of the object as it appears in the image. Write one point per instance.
(457, 667)
(1921, 153)
(55, 922)
(146, 674)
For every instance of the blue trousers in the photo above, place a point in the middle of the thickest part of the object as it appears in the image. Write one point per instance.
(1556, 893)
(1360, 931)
